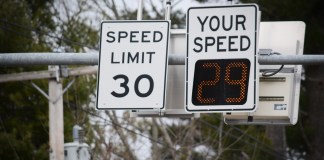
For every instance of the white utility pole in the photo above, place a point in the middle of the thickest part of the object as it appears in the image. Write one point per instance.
(56, 134)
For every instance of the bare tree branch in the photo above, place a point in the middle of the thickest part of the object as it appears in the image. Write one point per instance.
(102, 11)
(220, 137)
(165, 136)
(114, 9)
(123, 138)
(176, 2)
(158, 15)
(125, 7)
(66, 8)
(236, 141)
(190, 139)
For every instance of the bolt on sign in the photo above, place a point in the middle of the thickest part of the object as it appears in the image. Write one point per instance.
(221, 60)
(132, 64)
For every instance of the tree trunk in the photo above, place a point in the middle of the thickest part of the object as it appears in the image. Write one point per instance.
(155, 148)
(315, 96)
(277, 135)
(166, 136)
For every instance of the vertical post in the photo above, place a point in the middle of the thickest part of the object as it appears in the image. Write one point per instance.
(140, 10)
(56, 135)
(167, 10)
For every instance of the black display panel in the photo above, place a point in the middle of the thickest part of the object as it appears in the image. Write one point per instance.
(221, 82)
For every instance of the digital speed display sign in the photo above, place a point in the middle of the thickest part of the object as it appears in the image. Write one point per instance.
(221, 60)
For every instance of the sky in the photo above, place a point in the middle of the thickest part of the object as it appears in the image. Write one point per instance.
(177, 4)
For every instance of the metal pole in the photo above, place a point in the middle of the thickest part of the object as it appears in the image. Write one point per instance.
(292, 59)
(168, 10)
(26, 59)
(140, 10)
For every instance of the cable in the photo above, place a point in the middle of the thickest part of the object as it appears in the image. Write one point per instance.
(249, 136)
(6, 133)
(42, 32)
(112, 123)
(271, 152)
(265, 147)
(269, 73)
(128, 130)
(22, 35)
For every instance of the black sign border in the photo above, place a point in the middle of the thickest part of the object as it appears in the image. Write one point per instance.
(255, 60)
(166, 64)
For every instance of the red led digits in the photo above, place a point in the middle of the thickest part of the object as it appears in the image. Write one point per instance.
(208, 83)
(240, 82)
(221, 82)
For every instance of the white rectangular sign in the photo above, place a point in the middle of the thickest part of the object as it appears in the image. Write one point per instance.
(221, 62)
(132, 64)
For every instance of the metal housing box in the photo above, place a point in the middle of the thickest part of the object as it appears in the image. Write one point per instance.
(175, 83)
(76, 151)
(278, 94)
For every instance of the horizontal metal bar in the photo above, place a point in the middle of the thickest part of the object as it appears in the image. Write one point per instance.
(25, 59)
(292, 59)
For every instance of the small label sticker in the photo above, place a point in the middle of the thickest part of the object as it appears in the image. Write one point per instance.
(280, 106)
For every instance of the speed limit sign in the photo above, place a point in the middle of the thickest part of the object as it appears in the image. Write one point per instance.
(132, 64)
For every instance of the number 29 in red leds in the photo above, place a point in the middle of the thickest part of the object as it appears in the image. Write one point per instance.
(221, 82)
